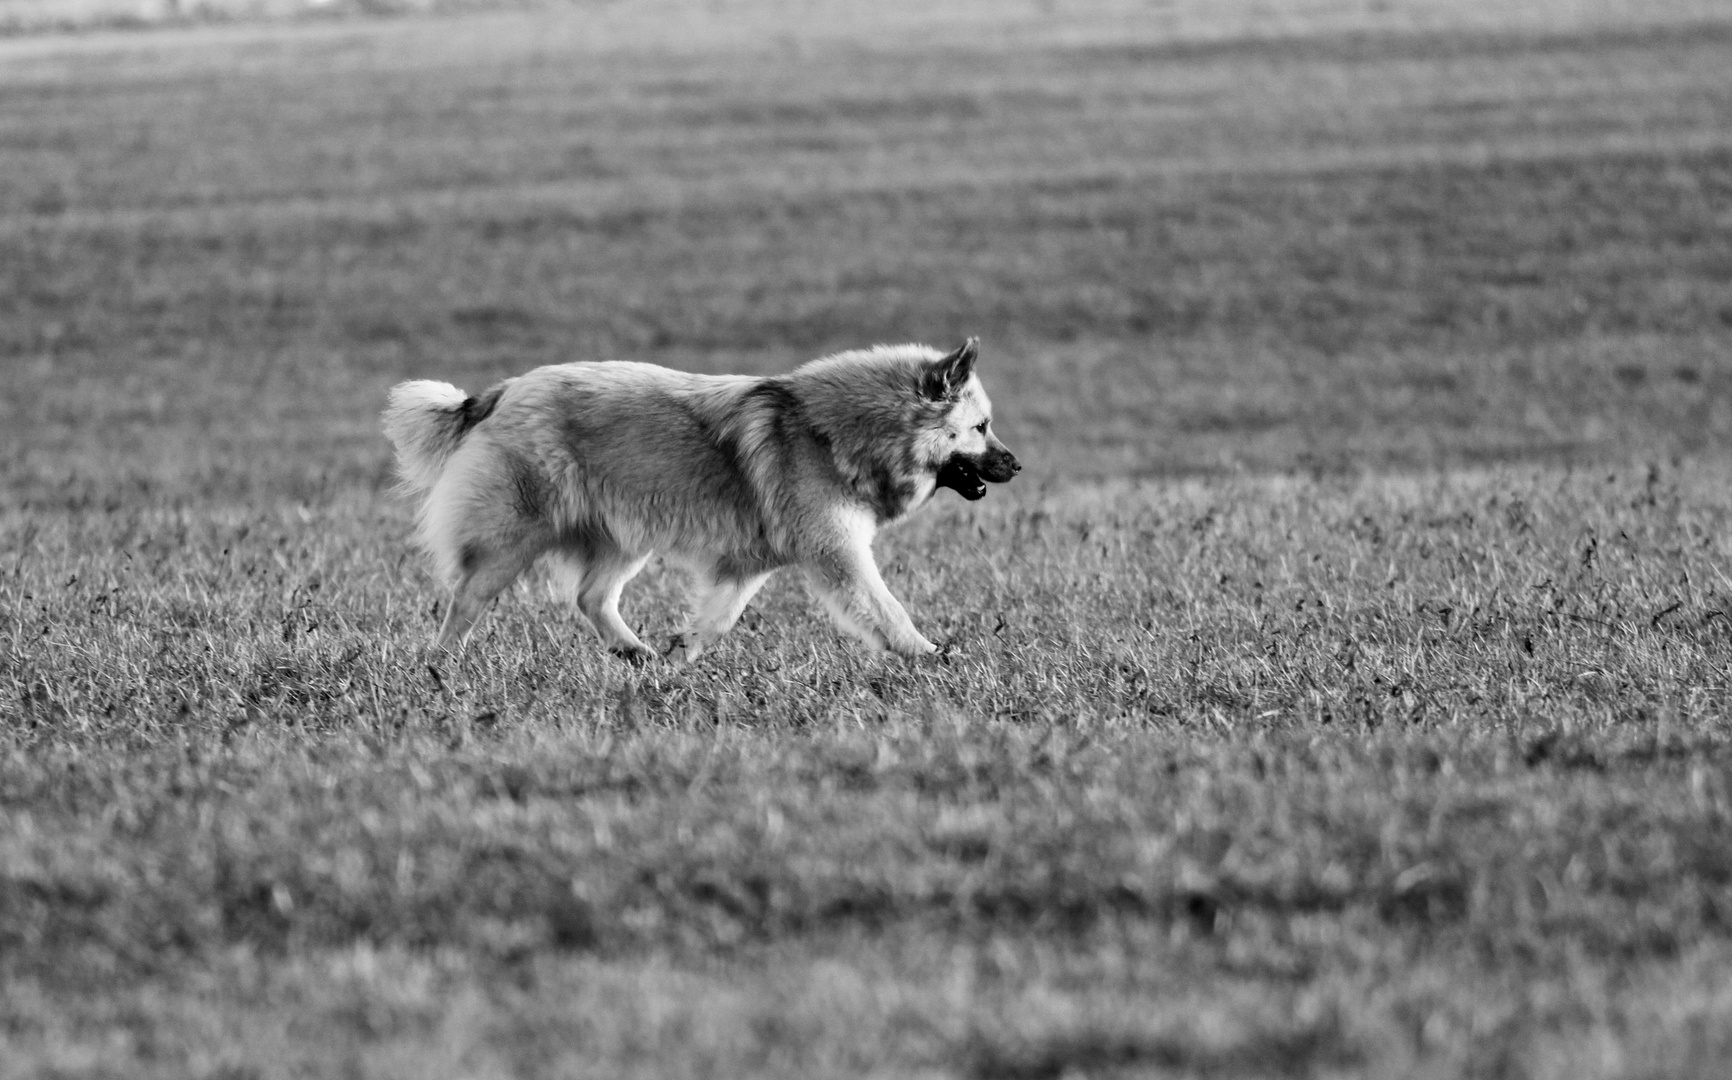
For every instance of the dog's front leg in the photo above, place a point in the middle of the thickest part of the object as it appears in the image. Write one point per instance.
(716, 607)
(848, 582)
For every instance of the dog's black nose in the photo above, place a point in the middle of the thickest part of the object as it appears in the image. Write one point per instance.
(1015, 465)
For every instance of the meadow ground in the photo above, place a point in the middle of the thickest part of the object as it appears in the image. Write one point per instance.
(1341, 691)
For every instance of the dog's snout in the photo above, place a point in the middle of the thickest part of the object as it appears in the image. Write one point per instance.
(999, 465)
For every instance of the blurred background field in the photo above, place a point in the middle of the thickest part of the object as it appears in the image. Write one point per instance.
(1174, 19)
(1340, 691)
(1186, 249)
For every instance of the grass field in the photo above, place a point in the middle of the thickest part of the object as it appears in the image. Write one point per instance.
(1342, 690)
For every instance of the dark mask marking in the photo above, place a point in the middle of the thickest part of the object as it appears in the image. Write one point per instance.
(966, 475)
(959, 475)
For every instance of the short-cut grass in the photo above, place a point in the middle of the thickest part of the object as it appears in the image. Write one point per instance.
(1341, 691)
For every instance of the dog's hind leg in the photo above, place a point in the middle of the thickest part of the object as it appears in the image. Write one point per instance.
(483, 574)
(602, 576)
(478, 526)
(716, 607)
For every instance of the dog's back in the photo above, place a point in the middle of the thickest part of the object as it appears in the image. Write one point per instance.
(655, 458)
(592, 457)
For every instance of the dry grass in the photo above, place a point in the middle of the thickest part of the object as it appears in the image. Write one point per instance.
(1341, 692)
(1237, 777)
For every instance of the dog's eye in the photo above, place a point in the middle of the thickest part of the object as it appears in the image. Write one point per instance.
(981, 427)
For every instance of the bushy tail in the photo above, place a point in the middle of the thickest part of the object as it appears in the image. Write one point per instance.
(425, 421)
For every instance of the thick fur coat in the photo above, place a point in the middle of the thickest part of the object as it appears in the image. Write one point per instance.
(601, 465)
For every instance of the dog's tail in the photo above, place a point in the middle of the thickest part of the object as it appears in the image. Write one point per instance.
(426, 421)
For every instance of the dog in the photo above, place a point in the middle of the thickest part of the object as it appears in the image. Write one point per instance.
(601, 465)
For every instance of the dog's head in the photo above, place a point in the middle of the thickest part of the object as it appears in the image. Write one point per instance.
(963, 445)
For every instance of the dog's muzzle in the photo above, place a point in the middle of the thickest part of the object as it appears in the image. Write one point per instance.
(965, 475)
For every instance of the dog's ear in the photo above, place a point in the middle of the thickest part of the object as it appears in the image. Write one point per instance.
(945, 378)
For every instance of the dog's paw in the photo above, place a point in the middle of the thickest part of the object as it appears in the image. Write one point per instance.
(947, 651)
(683, 649)
(916, 649)
(635, 655)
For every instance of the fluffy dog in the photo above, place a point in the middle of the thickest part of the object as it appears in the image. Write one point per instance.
(601, 465)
